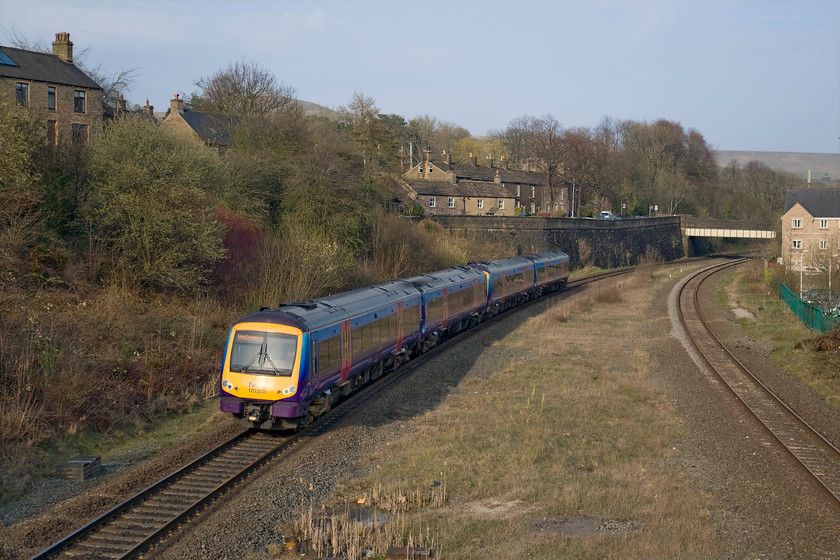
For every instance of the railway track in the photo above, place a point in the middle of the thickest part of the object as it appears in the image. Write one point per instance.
(131, 527)
(814, 452)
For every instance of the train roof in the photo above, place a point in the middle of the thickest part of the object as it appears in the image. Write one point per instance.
(504, 265)
(449, 277)
(316, 313)
(558, 256)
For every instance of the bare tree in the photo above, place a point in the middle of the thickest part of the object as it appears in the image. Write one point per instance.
(361, 117)
(517, 139)
(243, 92)
(546, 135)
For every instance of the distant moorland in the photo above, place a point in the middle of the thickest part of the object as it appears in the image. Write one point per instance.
(820, 165)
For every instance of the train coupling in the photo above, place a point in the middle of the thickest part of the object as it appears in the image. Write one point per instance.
(256, 413)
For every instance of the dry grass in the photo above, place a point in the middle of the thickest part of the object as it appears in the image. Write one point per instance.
(111, 360)
(802, 352)
(568, 428)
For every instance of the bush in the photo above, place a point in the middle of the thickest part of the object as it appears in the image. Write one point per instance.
(20, 190)
(152, 203)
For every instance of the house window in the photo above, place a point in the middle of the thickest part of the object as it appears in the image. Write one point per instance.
(52, 135)
(451, 202)
(823, 244)
(51, 98)
(533, 208)
(420, 169)
(501, 204)
(430, 168)
(796, 223)
(796, 244)
(22, 93)
(532, 191)
(823, 224)
(480, 203)
(432, 202)
(80, 133)
(79, 101)
(518, 190)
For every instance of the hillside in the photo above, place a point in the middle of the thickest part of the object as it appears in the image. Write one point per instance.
(822, 166)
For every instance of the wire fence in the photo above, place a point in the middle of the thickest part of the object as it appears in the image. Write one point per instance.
(814, 316)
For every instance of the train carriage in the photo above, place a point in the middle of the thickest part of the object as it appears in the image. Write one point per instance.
(551, 271)
(509, 282)
(286, 364)
(453, 300)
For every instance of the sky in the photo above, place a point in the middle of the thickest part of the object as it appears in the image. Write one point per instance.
(749, 75)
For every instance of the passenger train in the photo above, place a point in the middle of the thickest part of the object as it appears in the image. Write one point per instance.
(285, 366)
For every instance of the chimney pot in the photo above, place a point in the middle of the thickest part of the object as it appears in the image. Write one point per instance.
(62, 47)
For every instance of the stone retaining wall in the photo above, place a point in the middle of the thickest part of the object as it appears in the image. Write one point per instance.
(613, 243)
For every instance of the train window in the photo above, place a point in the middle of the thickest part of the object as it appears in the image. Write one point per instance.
(329, 354)
(435, 311)
(263, 352)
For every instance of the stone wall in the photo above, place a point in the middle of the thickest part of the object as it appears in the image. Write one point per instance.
(613, 243)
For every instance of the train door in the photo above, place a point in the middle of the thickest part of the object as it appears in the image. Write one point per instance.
(445, 297)
(400, 326)
(346, 351)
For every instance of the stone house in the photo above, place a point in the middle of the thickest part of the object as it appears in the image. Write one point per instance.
(447, 188)
(211, 130)
(69, 100)
(811, 234)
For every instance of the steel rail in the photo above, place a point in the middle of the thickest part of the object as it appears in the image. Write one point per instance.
(811, 450)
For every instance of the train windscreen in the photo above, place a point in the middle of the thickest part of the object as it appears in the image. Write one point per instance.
(264, 353)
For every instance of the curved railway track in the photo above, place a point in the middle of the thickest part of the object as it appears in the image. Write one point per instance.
(814, 452)
(147, 518)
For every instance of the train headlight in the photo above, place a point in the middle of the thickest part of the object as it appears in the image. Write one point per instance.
(227, 385)
(290, 390)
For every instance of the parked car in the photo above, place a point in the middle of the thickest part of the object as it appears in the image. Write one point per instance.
(821, 298)
(607, 215)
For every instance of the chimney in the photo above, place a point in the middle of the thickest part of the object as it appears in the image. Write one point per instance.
(121, 104)
(489, 161)
(62, 47)
(176, 105)
(473, 160)
(149, 110)
(504, 162)
(498, 178)
(445, 157)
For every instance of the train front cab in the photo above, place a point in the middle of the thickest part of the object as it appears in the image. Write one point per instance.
(262, 371)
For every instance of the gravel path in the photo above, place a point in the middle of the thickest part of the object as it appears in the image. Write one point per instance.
(763, 507)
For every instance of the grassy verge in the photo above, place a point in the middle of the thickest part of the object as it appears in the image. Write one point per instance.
(565, 439)
(794, 344)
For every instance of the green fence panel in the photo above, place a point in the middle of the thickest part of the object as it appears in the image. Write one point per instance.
(814, 316)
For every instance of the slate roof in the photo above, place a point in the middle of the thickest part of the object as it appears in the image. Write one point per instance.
(213, 129)
(819, 202)
(462, 188)
(484, 173)
(43, 67)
